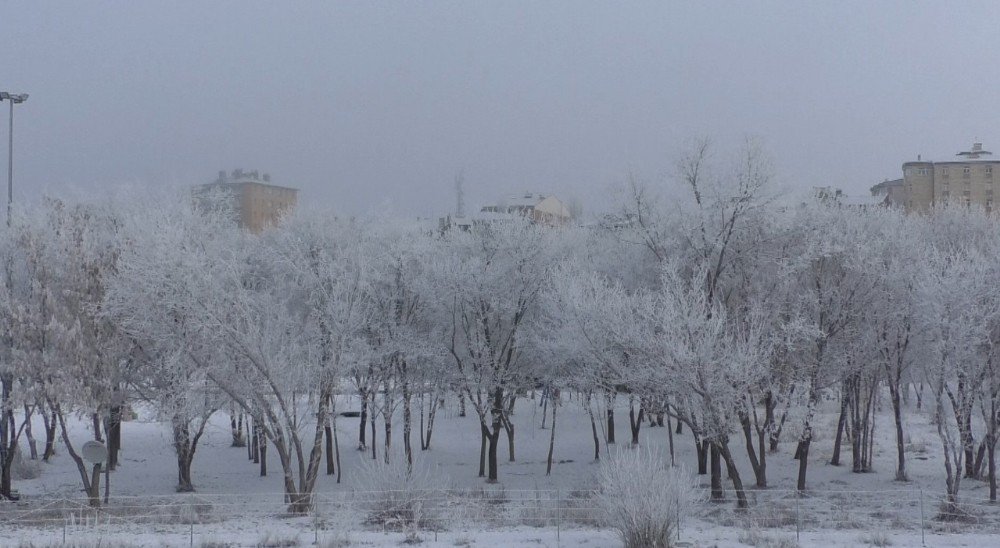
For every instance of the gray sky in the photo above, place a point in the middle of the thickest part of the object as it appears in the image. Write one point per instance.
(368, 105)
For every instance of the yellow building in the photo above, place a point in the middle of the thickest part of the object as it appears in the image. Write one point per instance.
(966, 180)
(253, 201)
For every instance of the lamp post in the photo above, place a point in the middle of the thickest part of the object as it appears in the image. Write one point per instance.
(14, 98)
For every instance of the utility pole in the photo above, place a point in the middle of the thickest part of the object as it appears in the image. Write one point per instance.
(13, 98)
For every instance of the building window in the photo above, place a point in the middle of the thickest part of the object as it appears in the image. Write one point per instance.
(922, 171)
(966, 172)
(989, 171)
(944, 172)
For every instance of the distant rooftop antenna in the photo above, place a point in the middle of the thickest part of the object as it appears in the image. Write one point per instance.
(460, 194)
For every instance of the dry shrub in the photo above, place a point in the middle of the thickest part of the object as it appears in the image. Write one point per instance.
(25, 469)
(400, 497)
(758, 539)
(642, 498)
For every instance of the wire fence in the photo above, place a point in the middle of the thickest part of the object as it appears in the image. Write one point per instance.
(497, 508)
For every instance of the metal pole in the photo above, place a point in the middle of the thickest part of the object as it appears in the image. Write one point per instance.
(10, 161)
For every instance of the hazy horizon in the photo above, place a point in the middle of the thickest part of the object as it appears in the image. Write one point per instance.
(376, 106)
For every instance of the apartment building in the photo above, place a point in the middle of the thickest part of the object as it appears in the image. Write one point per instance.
(253, 200)
(966, 179)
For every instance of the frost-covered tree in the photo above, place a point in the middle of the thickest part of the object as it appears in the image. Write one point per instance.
(959, 310)
(487, 282)
(281, 307)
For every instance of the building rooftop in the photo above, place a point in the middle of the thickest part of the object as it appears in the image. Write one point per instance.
(973, 155)
(238, 176)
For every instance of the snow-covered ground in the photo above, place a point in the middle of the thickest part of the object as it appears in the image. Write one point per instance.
(841, 509)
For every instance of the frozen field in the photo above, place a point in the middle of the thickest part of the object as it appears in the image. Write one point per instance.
(235, 506)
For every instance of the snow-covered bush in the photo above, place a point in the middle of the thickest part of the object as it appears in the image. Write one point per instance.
(25, 469)
(643, 498)
(397, 496)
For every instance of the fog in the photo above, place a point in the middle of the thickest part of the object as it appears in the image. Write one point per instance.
(376, 106)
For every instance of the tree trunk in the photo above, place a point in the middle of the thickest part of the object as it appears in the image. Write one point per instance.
(494, 441)
(635, 422)
(96, 423)
(552, 439)
(775, 434)
(6, 486)
(431, 413)
(545, 405)
(114, 429)
(593, 429)
(897, 415)
(701, 449)
(407, 426)
(387, 420)
(255, 443)
(371, 421)
(32, 445)
(755, 464)
(991, 467)
(236, 427)
(336, 448)
(331, 468)
(184, 483)
(262, 451)
(670, 441)
(508, 426)
(802, 455)
(610, 397)
(717, 493)
(89, 480)
(734, 476)
(49, 420)
(991, 443)
(364, 422)
(611, 427)
(496, 413)
(94, 493)
(182, 442)
(483, 441)
(8, 447)
(835, 460)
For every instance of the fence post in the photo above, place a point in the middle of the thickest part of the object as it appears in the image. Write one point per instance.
(316, 519)
(798, 501)
(923, 542)
(191, 534)
(558, 519)
(678, 517)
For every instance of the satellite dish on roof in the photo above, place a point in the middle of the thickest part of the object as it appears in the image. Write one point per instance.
(94, 452)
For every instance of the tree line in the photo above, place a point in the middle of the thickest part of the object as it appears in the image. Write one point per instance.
(711, 303)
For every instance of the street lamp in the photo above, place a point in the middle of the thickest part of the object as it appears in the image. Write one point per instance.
(14, 98)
